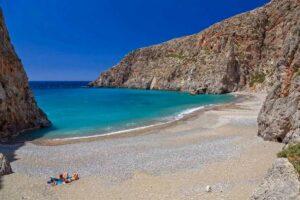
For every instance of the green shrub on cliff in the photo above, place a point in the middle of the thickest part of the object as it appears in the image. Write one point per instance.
(258, 77)
(297, 72)
(292, 153)
(174, 55)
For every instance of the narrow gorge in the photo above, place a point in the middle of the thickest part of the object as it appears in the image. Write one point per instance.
(212, 150)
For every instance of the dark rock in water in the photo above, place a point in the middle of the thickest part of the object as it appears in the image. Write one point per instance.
(281, 182)
(5, 167)
(18, 109)
(239, 53)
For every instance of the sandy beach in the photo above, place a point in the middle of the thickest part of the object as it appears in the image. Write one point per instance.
(217, 147)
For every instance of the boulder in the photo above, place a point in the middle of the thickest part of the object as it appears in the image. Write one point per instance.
(5, 167)
(280, 183)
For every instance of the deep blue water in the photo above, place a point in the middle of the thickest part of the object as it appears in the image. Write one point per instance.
(79, 111)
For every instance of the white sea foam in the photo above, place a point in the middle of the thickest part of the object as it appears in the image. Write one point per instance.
(188, 111)
(111, 133)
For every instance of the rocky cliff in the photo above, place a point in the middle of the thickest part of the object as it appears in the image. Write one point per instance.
(236, 54)
(18, 109)
(279, 119)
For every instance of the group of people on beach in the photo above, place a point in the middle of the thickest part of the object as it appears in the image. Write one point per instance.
(63, 178)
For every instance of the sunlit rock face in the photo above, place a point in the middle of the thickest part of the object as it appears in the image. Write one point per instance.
(279, 118)
(240, 53)
(18, 109)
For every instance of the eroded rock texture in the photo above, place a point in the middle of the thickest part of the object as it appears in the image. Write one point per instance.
(236, 54)
(281, 182)
(5, 167)
(279, 119)
(18, 109)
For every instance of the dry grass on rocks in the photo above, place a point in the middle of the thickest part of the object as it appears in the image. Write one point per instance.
(292, 153)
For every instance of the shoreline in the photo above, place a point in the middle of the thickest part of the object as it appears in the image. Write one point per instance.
(216, 146)
(238, 97)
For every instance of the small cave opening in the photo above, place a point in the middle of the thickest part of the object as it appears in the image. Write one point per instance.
(279, 139)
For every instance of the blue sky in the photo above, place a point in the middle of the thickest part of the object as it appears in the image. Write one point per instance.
(77, 39)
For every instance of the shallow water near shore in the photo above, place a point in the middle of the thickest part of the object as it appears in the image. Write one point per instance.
(77, 111)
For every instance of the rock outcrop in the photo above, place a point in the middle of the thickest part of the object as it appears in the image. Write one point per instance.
(236, 54)
(281, 182)
(18, 109)
(5, 167)
(279, 118)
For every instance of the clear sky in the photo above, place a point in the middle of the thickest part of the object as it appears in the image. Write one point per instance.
(77, 39)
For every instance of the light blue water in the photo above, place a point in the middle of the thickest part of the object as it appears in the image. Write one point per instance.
(77, 111)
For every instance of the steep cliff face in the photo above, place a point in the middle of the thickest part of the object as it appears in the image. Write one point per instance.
(279, 118)
(18, 109)
(236, 54)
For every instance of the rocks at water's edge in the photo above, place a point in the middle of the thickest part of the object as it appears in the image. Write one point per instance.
(18, 109)
(5, 167)
(281, 182)
(236, 54)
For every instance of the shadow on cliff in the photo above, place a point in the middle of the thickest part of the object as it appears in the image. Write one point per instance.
(10, 148)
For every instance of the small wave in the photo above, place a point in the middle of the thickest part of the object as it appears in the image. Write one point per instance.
(188, 111)
(170, 120)
(108, 134)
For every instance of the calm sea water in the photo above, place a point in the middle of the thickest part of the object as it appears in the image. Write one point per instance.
(79, 111)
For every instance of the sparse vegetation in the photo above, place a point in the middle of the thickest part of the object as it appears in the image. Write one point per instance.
(292, 153)
(297, 73)
(173, 55)
(206, 50)
(258, 77)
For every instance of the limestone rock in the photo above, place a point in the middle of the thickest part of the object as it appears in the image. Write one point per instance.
(279, 118)
(239, 53)
(281, 182)
(5, 167)
(18, 109)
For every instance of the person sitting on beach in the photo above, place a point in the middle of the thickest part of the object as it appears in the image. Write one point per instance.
(75, 176)
(63, 178)
(56, 181)
(66, 178)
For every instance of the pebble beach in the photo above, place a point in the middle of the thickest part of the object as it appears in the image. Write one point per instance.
(217, 147)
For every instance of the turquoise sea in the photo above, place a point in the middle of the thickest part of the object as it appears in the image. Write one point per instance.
(76, 110)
